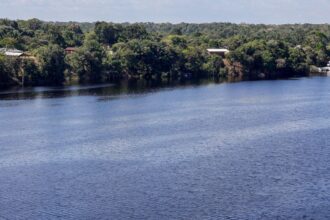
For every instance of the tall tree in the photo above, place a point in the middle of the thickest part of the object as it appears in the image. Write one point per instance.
(88, 61)
(51, 63)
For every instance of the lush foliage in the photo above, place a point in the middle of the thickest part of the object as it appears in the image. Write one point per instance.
(108, 51)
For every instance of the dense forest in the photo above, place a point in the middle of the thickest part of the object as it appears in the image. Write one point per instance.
(58, 53)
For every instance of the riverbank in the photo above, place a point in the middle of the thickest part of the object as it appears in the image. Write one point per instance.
(57, 52)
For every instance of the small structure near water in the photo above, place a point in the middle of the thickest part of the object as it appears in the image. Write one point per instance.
(325, 69)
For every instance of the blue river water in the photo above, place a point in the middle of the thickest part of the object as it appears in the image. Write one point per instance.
(246, 150)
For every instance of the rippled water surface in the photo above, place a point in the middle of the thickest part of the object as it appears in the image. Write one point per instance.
(248, 150)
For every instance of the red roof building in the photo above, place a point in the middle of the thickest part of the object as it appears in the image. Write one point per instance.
(70, 50)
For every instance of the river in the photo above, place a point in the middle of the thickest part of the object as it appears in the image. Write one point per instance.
(246, 150)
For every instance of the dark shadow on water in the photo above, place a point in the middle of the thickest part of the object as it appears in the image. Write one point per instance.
(106, 91)
(111, 90)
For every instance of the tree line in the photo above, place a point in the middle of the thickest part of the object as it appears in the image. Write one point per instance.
(106, 52)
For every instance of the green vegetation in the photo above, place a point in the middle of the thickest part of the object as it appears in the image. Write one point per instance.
(104, 52)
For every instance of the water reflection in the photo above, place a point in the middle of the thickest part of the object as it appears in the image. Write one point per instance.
(107, 90)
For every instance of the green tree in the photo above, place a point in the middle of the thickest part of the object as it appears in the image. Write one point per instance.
(107, 33)
(214, 66)
(297, 61)
(31, 73)
(73, 35)
(194, 59)
(88, 61)
(54, 35)
(9, 42)
(5, 74)
(34, 24)
(134, 31)
(51, 64)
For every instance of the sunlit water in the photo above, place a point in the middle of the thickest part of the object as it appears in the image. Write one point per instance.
(248, 150)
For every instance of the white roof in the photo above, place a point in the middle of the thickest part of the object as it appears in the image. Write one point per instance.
(14, 54)
(221, 50)
(11, 52)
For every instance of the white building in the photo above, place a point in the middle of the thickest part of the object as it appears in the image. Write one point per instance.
(11, 52)
(220, 51)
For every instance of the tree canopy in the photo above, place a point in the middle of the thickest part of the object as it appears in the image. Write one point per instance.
(106, 51)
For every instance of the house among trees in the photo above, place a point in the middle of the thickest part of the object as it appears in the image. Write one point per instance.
(14, 53)
(11, 52)
(70, 50)
(221, 51)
